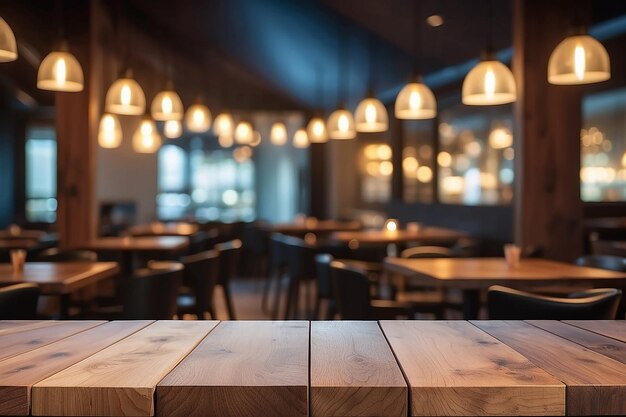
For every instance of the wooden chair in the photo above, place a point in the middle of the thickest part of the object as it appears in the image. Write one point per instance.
(277, 269)
(300, 269)
(19, 302)
(509, 304)
(200, 277)
(228, 259)
(427, 252)
(351, 288)
(610, 262)
(150, 294)
(324, 287)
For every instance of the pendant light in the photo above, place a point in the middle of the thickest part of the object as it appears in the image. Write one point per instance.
(301, 139)
(172, 129)
(278, 134)
(256, 139)
(490, 82)
(146, 138)
(371, 115)
(198, 117)
(225, 141)
(340, 124)
(224, 124)
(579, 59)
(8, 46)
(244, 133)
(109, 131)
(416, 100)
(60, 71)
(125, 97)
(167, 105)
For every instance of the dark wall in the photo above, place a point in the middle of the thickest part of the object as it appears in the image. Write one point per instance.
(7, 168)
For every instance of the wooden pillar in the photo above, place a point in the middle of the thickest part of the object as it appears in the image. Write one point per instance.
(548, 209)
(77, 117)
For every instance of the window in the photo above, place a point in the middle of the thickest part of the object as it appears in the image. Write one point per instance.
(603, 147)
(417, 162)
(173, 200)
(41, 175)
(376, 170)
(475, 158)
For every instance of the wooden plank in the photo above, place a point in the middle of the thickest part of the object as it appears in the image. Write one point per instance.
(596, 385)
(19, 373)
(593, 341)
(242, 369)
(354, 372)
(615, 329)
(27, 340)
(12, 326)
(453, 368)
(120, 380)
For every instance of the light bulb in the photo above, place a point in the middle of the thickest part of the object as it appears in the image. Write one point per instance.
(146, 138)
(278, 134)
(60, 71)
(489, 83)
(173, 129)
(167, 105)
(126, 97)
(109, 131)
(415, 102)
(244, 133)
(371, 116)
(340, 125)
(300, 139)
(198, 118)
(224, 125)
(317, 130)
(579, 59)
(579, 62)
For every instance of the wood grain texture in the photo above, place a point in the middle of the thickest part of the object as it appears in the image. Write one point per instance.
(424, 235)
(354, 372)
(24, 341)
(120, 380)
(54, 278)
(615, 329)
(596, 384)
(138, 244)
(242, 369)
(453, 368)
(606, 346)
(19, 373)
(480, 273)
(11, 326)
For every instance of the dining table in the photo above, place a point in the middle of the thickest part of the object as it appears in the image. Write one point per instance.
(315, 226)
(475, 275)
(164, 229)
(321, 368)
(424, 235)
(59, 279)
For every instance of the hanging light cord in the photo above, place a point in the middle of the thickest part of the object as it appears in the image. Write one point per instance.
(416, 36)
(371, 67)
(490, 47)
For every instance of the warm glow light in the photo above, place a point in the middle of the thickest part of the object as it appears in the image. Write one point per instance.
(340, 125)
(301, 139)
(317, 130)
(225, 141)
(385, 168)
(370, 116)
(173, 129)
(224, 125)
(109, 131)
(278, 134)
(424, 174)
(198, 117)
(383, 152)
(409, 166)
(391, 225)
(146, 138)
(256, 139)
(244, 133)
(167, 106)
(8, 46)
(453, 185)
(500, 138)
(444, 159)
(473, 149)
(125, 97)
(624, 160)
(242, 153)
(489, 83)
(579, 59)
(60, 71)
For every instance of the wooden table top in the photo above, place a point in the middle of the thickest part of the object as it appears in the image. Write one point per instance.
(483, 272)
(199, 368)
(315, 226)
(138, 244)
(164, 229)
(23, 234)
(12, 244)
(55, 278)
(423, 234)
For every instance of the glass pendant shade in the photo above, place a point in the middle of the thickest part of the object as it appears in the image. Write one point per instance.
(244, 133)
(340, 125)
(198, 118)
(172, 129)
(415, 102)
(489, 83)
(167, 106)
(125, 97)
(225, 141)
(256, 141)
(316, 130)
(579, 60)
(224, 125)
(8, 46)
(371, 116)
(60, 71)
(301, 139)
(109, 131)
(278, 134)
(146, 138)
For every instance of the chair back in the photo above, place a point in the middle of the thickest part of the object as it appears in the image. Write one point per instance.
(201, 272)
(19, 302)
(352, 291)
(509, 304)
(323, 274)
(610, 262)
(151, 293)
(57, 255)
(277, 250)
(300, 258)
(228, 260)
(427, 252)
